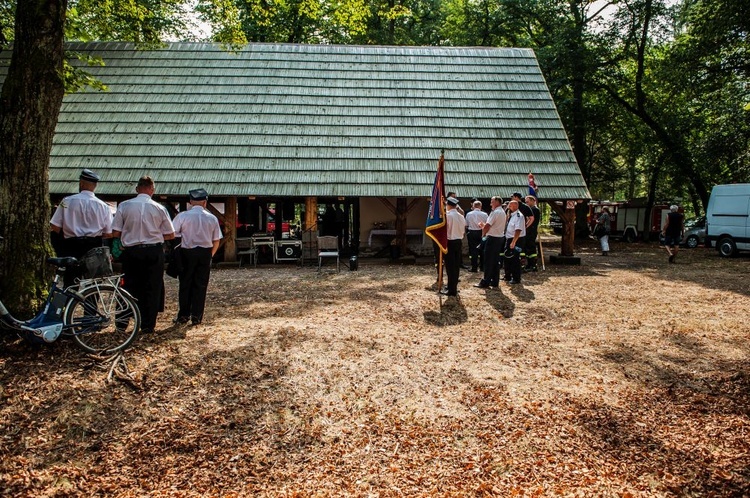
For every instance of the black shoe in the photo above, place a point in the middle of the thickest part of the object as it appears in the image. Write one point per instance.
(473, 270)
(147, 331)
(180, 320)
(196, 321)
(448, 293)
(671, 258)
(514, 282)
(482, 285)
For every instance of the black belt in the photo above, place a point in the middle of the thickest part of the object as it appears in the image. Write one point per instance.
(144, 246)
(84, 238)
(475, 230)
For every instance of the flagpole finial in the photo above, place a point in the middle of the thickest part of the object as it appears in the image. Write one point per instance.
(442, 151)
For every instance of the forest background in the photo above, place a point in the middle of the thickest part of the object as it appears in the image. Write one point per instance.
(654, 94)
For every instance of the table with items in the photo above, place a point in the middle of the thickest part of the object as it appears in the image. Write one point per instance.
(410, 232)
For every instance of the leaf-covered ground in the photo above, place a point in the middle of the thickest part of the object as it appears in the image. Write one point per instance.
(625, 376)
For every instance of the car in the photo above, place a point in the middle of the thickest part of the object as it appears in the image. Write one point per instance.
(728, 218)
(695, 232)
(555, 223)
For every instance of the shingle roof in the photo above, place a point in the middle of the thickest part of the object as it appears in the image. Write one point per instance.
(314, 120)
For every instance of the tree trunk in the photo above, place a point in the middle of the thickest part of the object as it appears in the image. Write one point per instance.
(31, 98)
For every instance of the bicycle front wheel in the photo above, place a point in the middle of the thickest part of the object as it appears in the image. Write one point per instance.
(104, 320)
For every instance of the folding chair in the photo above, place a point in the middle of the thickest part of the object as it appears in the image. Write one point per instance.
(328, 247)
(245, 247)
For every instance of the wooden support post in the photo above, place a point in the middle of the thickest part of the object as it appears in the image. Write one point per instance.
(567, 212)
(401, 212)
(230, 229)
(311, 212)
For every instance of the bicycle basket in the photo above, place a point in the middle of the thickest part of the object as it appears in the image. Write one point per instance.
(97, 263)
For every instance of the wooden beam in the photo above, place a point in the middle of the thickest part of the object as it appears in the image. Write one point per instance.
(412, 204)
(401, 212)
(567, 212)
(217, 213)
(230, 229)
(388, 204)
(311, 212)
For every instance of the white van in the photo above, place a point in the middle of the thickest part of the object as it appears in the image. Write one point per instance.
(727, 218)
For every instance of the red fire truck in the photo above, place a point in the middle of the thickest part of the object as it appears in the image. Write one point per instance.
(629, 219)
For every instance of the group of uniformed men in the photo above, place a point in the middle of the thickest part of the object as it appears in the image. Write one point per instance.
(496, 240)
(82, 222)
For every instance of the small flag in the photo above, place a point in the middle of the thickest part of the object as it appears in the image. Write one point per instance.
(533, 189)
(436, 228)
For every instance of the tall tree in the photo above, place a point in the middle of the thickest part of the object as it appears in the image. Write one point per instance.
(31, 99)
(32, 94)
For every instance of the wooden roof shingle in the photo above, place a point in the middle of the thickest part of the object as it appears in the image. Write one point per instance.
(313, 120)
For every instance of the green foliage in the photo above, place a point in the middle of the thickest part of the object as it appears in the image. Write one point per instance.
(77, 79)
(654, 93)
(7, 20)
(144, 22)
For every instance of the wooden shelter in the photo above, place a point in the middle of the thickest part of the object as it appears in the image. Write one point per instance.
(303, 125)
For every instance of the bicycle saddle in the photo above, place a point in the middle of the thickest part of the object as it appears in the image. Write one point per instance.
(64, 262)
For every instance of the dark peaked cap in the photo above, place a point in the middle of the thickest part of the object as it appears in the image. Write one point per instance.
(198, 194)
(89, 176)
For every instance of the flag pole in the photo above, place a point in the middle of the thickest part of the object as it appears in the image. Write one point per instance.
(436, 226)
(541, 252)
(440, 272)
(440, 257)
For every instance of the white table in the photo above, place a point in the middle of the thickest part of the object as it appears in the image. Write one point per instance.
(410, 232)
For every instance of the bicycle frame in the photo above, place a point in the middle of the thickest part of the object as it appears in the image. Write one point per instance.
(47, 325)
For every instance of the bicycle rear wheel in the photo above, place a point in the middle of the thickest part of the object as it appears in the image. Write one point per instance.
(105, 320)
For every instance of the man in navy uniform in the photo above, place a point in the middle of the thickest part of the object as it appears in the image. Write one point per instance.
(143, 225)
(200, 233)
(80, 222)
(515, 233)
(456, 225)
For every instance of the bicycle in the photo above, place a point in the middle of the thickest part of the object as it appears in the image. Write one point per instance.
(101, 317)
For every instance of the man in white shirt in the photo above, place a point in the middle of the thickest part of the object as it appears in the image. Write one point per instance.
(456, 225)
(200, 233)
(493, 232)
(475, 220)
(80, 222)
(143, 225)
(515, 233)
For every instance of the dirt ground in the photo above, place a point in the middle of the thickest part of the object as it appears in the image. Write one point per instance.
(625, 376)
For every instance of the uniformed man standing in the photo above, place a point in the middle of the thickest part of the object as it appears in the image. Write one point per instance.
(80, 222)
(456, 225)
(475, 220)
(493, 232)
(143, 225)
(200, 234)
(532, 231)
(515, 232)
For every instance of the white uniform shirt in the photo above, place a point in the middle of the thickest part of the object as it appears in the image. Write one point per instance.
(456, 225)
(142, 221)
(474, 218)
(496, 221)
(197, 227)
(516, 222)
(83, 215)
